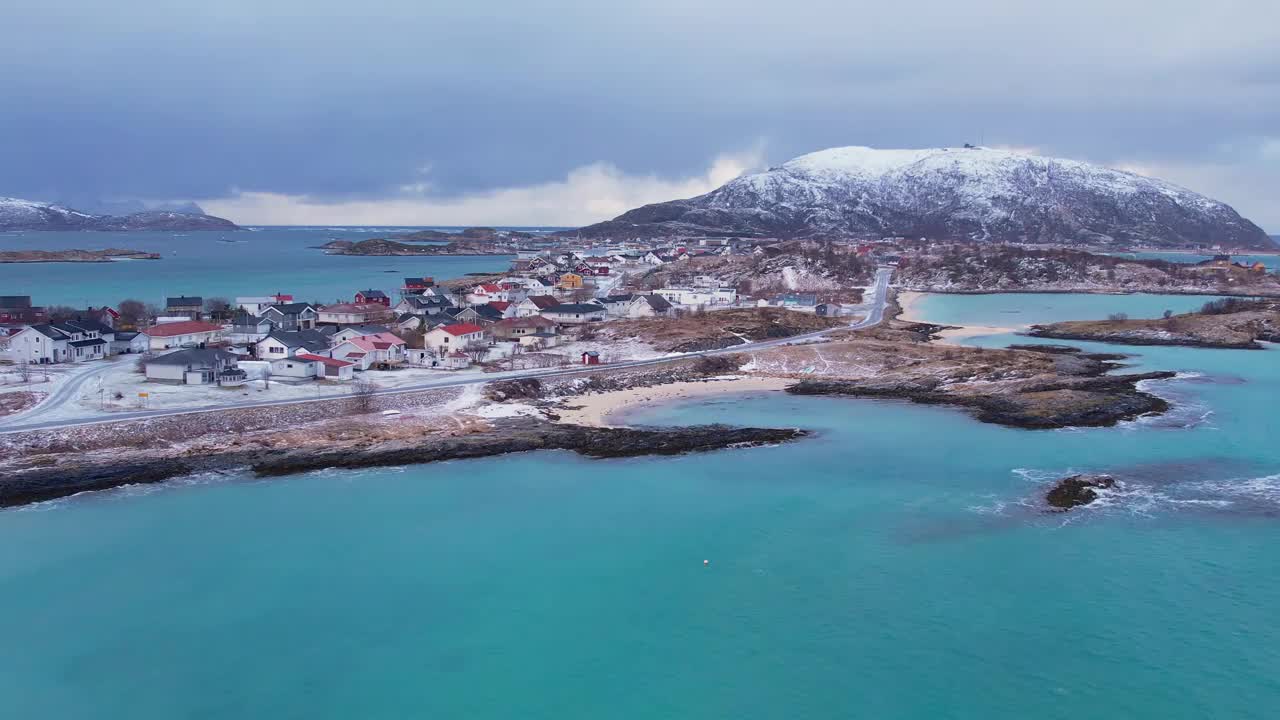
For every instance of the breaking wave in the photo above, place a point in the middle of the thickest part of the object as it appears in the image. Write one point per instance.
(1186, 410)
(1149, 491)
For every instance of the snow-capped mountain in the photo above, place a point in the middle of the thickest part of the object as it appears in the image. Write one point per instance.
(18, 214)
(946, 193)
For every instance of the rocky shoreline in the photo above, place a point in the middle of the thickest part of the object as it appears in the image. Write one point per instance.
(1073, 402)
(390, 248)
(1246, 292)
(1231, 324)
(506, 436)
(1121, 338)
(89, 256)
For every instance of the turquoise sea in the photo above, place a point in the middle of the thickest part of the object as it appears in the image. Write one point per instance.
(897, 565)
(257, 261)
(1271, 262)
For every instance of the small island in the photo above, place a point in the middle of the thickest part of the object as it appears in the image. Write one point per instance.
(1231, 323)
(91, 256)
(385, 247)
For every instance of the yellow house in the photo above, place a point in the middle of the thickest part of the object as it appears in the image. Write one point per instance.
(570, 281)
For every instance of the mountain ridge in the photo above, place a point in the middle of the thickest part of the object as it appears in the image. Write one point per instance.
(966, 193)
(27, 215)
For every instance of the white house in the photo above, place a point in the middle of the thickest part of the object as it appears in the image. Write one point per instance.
(366, 351)
(698, 296)
(295, 368)
(486, 293)
(196, 367)
(254, 305)
(129, 342)
(39, 344)
(575, 313)
(187, 333)
(71, 341)
(289, 343)
(353, 313)
(642, 306)
(329, 368)
(356, 331)
(535, 304)
(454, 337)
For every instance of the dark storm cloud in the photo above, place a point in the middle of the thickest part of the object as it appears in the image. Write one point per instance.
(342, 101)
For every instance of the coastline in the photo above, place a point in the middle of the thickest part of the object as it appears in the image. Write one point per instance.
(602, 410)
(909, 301)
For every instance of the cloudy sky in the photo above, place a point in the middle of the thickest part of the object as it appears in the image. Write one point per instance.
(560, 112)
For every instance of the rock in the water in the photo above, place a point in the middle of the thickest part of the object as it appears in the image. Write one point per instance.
(1077, 490)
(953, 193)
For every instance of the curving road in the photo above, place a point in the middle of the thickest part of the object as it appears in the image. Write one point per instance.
(27, 421)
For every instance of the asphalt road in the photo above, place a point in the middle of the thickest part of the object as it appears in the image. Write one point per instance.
(29, 420)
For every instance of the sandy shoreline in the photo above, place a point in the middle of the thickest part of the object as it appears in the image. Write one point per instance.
(595, 409)
(909, 301)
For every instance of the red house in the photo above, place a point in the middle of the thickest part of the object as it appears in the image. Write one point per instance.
(418, 285)
(591, 357)
(370, 297)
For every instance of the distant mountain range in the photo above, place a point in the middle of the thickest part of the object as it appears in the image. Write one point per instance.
(18, 214)
(946, 193)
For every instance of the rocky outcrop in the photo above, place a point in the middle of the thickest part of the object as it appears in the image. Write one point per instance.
(1229, 324)
(1076, 490)
(471, 233)
(42, 256)
(948, 193)
(24, 215)
(508, 436)
(385, 247)
(1099, 401)
(1124, 337)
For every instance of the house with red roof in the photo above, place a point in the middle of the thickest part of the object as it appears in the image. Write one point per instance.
(353, 313)
(535, 304)
(447, 338)
(486, 293)
(184, 334)
(508, 309)
(381, 350)
(332, 368)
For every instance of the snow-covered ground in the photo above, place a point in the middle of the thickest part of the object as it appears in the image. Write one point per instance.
(99, 395)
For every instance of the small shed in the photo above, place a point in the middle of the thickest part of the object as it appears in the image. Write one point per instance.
(590, 357)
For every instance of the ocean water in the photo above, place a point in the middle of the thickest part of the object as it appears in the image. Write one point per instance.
(896, 565)
(1271, 262)
(262, 261)
(1022, 309)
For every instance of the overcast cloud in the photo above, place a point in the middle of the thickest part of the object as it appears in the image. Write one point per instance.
(559, 112)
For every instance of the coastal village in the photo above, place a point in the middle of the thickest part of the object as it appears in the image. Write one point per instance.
(553, 308)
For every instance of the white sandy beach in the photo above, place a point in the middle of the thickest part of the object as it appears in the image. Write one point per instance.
(595, 409)
(910, 301)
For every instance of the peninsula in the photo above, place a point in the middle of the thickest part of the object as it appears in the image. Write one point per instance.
(93, 256)
(1230, 323)
(385, 247)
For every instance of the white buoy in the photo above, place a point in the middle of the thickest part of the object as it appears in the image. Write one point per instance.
(706, 562)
